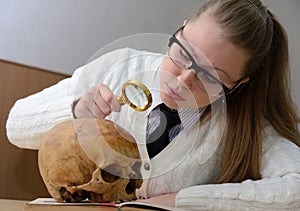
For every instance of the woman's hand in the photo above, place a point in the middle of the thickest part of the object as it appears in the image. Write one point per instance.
(97, 102)
(165, 200)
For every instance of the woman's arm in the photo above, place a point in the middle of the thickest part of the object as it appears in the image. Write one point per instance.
(278, 190)
(277, 193)
(30, 118)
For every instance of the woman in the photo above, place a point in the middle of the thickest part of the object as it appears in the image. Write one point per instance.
(257, 163)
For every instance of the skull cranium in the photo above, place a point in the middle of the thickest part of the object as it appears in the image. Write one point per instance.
(111, 173)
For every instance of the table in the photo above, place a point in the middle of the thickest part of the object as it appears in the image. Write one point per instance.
(11, 205)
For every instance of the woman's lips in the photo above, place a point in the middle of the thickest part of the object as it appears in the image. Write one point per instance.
(173, 93)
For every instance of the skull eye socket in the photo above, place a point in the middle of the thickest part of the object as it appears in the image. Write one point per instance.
(130, 187)
(107, 176)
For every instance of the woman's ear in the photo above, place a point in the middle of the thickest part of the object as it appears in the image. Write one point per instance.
(245, 80)
(185, 22)
(241, 83)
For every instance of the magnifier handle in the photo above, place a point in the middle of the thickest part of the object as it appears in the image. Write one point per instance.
(121, 100)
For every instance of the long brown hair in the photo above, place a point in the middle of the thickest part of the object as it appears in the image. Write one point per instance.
(266, 98)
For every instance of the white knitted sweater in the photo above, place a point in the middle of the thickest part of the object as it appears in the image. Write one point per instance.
(181, 167)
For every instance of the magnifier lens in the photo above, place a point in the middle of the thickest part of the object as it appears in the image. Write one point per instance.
(136, 96)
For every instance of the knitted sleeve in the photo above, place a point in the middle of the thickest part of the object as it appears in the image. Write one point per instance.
(31, 117)
(279, 188)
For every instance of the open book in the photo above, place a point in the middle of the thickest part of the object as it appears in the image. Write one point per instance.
(45, 204)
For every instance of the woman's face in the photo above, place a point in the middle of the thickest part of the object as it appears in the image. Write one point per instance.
(203, 39)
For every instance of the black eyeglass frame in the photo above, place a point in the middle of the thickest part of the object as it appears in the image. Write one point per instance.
(196, 67)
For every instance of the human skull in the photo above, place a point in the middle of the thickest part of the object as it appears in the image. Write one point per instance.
(109, 173)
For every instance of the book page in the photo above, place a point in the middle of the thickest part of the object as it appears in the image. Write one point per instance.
(139, 204)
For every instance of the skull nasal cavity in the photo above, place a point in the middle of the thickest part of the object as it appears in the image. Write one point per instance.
(109, 175)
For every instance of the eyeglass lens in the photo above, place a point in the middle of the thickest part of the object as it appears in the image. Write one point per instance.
(182, 60)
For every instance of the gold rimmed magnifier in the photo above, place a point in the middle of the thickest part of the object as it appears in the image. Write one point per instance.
(136, 95)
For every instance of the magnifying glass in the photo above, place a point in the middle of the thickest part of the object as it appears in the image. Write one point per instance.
(136, 95)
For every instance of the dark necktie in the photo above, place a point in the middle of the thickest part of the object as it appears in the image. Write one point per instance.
(159, 138)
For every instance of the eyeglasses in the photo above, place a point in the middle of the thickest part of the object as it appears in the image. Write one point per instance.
(181, 57)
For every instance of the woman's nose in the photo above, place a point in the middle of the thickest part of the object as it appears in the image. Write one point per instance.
(186, 78)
